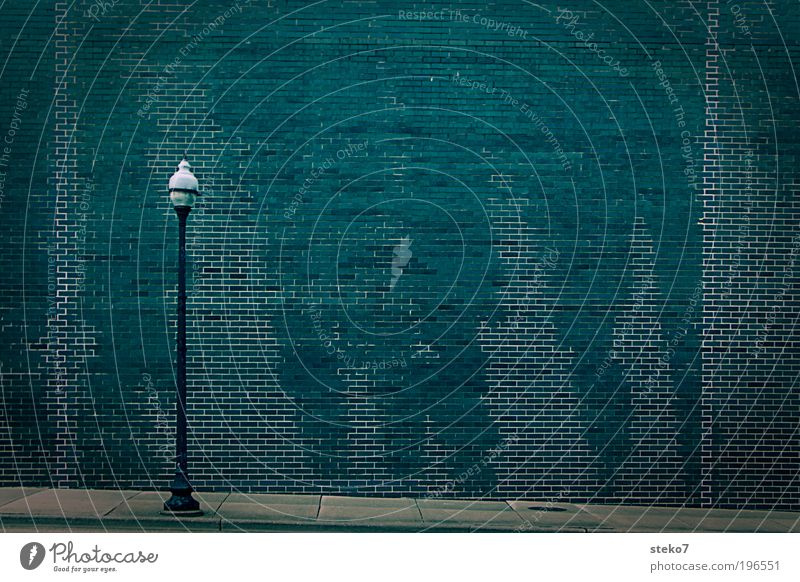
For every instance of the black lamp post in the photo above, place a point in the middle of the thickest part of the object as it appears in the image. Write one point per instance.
(182, 192)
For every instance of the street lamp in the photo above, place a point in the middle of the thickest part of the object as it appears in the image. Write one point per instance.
(182, 192)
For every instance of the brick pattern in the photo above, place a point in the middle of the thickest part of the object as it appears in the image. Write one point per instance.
(466, 252)
(26, 275)
(751, 243)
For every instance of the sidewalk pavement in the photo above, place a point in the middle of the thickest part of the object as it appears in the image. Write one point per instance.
(62, 510)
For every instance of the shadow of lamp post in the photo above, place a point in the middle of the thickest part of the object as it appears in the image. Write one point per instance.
(182, 191)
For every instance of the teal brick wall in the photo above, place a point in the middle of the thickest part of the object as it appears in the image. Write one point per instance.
(491, 249)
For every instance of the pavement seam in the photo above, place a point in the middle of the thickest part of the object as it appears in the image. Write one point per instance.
(221, 503)
(517, 513)
(122, 501)
(216, 510)
(22, 496)
(416, 504)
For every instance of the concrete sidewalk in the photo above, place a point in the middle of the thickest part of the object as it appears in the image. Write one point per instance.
(59, 510)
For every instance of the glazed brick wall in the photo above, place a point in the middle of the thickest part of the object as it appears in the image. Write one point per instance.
(27, 207)
(597, 296)
(751, 245)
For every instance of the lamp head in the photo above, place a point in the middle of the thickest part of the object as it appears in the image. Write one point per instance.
(183, 187)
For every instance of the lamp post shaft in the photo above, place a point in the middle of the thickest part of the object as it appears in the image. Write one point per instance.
(180, 437)
(181, 500)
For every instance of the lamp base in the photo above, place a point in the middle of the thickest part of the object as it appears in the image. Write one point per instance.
(181, 502)
(182, 505)
(182, 514)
